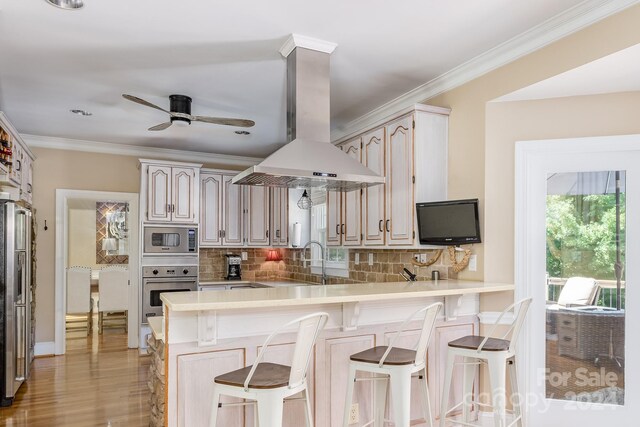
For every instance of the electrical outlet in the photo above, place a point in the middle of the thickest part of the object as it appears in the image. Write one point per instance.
(473, 263)
(243, 256)
(354, 414)
(416, 257)
(423, 258)
(357, 258)
(370, 259)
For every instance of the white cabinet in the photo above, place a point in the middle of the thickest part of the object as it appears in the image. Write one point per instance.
(26, 184)
(257, 203)
(399, 223)
(411, 153)
(221, 216)
(373, 202)
(334, 218)
(350, 228)
(279, 216)
(171, 193)
(16, 163)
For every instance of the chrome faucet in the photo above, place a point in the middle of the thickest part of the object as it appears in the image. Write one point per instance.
(324, 270)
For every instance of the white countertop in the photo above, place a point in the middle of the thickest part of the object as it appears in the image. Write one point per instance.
(317, 294)
(157, 327)
(271, 283)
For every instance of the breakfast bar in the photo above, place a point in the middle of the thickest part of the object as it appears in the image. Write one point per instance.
(209, 333)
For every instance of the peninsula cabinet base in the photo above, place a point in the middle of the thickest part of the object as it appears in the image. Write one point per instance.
(191, 370)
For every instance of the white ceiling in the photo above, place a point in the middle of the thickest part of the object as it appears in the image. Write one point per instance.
(618, 72)
(225, 56)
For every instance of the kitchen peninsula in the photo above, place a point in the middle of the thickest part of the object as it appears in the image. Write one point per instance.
(209, 333)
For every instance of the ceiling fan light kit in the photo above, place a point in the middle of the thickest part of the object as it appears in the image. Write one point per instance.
(180, 113)
(67, 4)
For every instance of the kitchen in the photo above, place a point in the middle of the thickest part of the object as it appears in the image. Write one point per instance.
(117, 167)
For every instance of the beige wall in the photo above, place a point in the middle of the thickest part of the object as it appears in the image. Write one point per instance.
(62, 169)
(471, 153)
(82, 238)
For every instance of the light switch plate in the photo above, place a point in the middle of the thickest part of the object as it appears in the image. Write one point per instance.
(243, 256)
(370, 259)
(473, 263)
(423, 258)
(357, 258)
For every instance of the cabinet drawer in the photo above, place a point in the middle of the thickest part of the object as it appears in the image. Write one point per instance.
(567, 338)
(567, 322)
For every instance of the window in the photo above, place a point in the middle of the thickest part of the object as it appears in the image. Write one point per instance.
(337, 259)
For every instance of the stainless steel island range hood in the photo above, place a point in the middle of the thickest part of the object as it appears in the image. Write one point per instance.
(309, 160)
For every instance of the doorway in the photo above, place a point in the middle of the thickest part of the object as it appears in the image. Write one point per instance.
(96, 229)
(572, 238)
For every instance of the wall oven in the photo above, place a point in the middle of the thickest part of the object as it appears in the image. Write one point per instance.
(170, 240)
(162, 279)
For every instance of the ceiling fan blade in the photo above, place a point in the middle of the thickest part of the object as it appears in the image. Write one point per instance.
(243, 123)
(143, 102)
(162, 126)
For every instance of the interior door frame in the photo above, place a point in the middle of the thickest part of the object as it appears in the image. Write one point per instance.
(530, 159)
(61, 256)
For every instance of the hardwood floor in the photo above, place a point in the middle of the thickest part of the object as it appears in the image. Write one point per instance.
(99, 382)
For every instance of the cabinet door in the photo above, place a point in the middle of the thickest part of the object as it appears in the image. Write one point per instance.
(232, 216)
(373, 207)
(195, 388)
(158, 193)
(399, 162)
(210, 209)
(279, 216)
(257, 216)
(183, 201)
(437, 362)
(334, 219)
(332, 385)
(351, 202)
(26, 186)
(294, 410)
(17, 165)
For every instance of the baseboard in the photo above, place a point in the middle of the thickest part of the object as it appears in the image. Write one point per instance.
(45, 348)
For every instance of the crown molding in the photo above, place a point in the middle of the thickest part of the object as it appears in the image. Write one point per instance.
(297, 40)
(554, 29)
(56, 143)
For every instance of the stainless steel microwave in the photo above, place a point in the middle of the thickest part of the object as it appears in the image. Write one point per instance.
(170, 240)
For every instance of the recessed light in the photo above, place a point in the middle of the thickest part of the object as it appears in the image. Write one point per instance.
(81, 112)
(243, 132)
(67, 4)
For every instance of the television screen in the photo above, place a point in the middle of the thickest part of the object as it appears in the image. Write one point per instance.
(453, 222)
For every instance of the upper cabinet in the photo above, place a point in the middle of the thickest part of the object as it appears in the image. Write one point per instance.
(410, 151)
(16, 163)
(220, 210)
(399, 182)
(171, 194)
(257, 208)
(280, 216)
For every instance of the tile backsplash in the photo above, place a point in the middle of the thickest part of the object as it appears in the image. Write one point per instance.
(387, 263)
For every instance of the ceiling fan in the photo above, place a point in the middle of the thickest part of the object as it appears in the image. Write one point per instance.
(180, 113)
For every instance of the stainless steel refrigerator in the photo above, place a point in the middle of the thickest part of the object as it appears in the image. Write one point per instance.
(15, 299)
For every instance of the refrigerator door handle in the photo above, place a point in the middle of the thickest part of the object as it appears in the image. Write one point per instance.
(21, 348)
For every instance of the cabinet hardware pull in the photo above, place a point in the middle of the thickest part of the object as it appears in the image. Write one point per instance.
(387, 224)
(19, 168)
(173, 208)
(342, 229)
(267, 234)
(337, 229)
(168, 208)
(380, 226)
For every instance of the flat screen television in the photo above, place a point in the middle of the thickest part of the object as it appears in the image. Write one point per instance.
(452, 222)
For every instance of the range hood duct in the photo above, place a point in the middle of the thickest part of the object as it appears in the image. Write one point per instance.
(309, 160)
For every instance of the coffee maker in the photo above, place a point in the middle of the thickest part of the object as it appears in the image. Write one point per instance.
(232, 265)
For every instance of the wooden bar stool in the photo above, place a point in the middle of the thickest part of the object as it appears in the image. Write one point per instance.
(499, 355)
(268, 384)
(397, 366)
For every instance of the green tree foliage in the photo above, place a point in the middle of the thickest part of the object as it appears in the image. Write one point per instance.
(581, 235)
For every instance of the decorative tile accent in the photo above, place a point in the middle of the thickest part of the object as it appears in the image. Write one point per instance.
(101, 232)
(386, 266)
